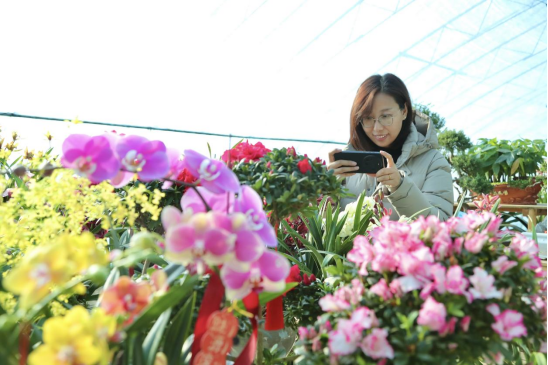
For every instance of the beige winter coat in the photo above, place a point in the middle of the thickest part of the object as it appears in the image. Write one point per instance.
(427, 184)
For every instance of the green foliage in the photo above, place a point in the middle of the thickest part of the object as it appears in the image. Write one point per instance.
(452, 142)
(504, 160)
(437, 120)
(323, 242)
(478, 184)
(286, 190)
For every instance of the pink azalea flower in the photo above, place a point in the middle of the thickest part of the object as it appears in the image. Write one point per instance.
(376, 346)
(455, 281)
(90, 157)
(331, 303)
(345, 340)
(382, 290)
(498, 359)
(449, 327)
(465, 323)
(147, 159)
(432, 315)
(502, 264)
(268, 273)
(524, 246)
(475, 241)
(362, 254)
(475, 220)
(384, 262)
(343, 298)
(395, 288)
(483, 285)
(214, 175)
(509, 325)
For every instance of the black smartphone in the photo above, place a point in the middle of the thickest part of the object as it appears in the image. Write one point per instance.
(368, 162)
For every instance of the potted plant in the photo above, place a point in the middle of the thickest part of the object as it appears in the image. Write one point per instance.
(506, 168)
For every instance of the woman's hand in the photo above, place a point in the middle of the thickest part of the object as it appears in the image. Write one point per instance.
(342, 168)
(389, 176)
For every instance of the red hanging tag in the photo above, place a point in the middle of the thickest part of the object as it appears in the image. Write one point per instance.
(217, 341)
(211, 302)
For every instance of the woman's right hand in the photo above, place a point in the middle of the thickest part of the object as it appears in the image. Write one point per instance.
(342, 168)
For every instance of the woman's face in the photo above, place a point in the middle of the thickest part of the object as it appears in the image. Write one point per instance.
(384, 124)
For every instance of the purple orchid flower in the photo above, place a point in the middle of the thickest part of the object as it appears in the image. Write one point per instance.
(138, 155)
(214, 175)
(268, 273)
(91, 157)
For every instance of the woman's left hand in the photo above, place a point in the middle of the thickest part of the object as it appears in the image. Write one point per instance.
(389, 176)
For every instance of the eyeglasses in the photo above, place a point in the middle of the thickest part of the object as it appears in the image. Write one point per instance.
(385, 120)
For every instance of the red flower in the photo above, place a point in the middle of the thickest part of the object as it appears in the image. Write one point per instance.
(187, 177)
(307, 280)
(291, 152)
(319, 160)
(294, 275)
(304, 166)
(245, 151)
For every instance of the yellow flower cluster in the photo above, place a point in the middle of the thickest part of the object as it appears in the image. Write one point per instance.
(51, 265)
(63, 203)
(76, 338)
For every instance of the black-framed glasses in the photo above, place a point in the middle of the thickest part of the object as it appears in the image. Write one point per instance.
(385, 120)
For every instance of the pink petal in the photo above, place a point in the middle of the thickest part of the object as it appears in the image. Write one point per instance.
(129, 143)
(180, 238)
(233, 279)
(274, 266)
(156, 167)
(170, 216)
(218, 242)
(249, 246)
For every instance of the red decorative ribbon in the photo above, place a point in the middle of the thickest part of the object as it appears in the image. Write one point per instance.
(211, 302)
(251, 303)
(275, 308)
(274, 315)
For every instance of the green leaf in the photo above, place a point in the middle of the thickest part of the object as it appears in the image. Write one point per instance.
(173, 297)
(266, 297)
(209, 149)
(133, 354)
(318, 257)
(539, 358)
(154, 337)
(178, 332)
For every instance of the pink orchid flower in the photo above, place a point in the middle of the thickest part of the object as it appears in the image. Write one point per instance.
(198, 240)
(268, 273)
(90, 157)
(138, 155)
(213, 175)
(248, 203)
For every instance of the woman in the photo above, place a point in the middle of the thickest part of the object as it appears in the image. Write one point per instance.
(417, 178)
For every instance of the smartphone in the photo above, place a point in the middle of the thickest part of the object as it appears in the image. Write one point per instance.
(368, 162)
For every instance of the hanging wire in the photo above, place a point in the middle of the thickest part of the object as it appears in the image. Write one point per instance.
(15, 115)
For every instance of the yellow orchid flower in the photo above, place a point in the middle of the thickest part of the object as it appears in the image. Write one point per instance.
(68, 340)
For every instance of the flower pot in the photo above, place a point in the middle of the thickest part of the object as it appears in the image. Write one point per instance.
(513, 195)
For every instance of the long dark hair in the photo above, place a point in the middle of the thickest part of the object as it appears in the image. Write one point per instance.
(363, 104)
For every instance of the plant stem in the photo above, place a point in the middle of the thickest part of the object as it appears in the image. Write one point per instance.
(260, 338)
